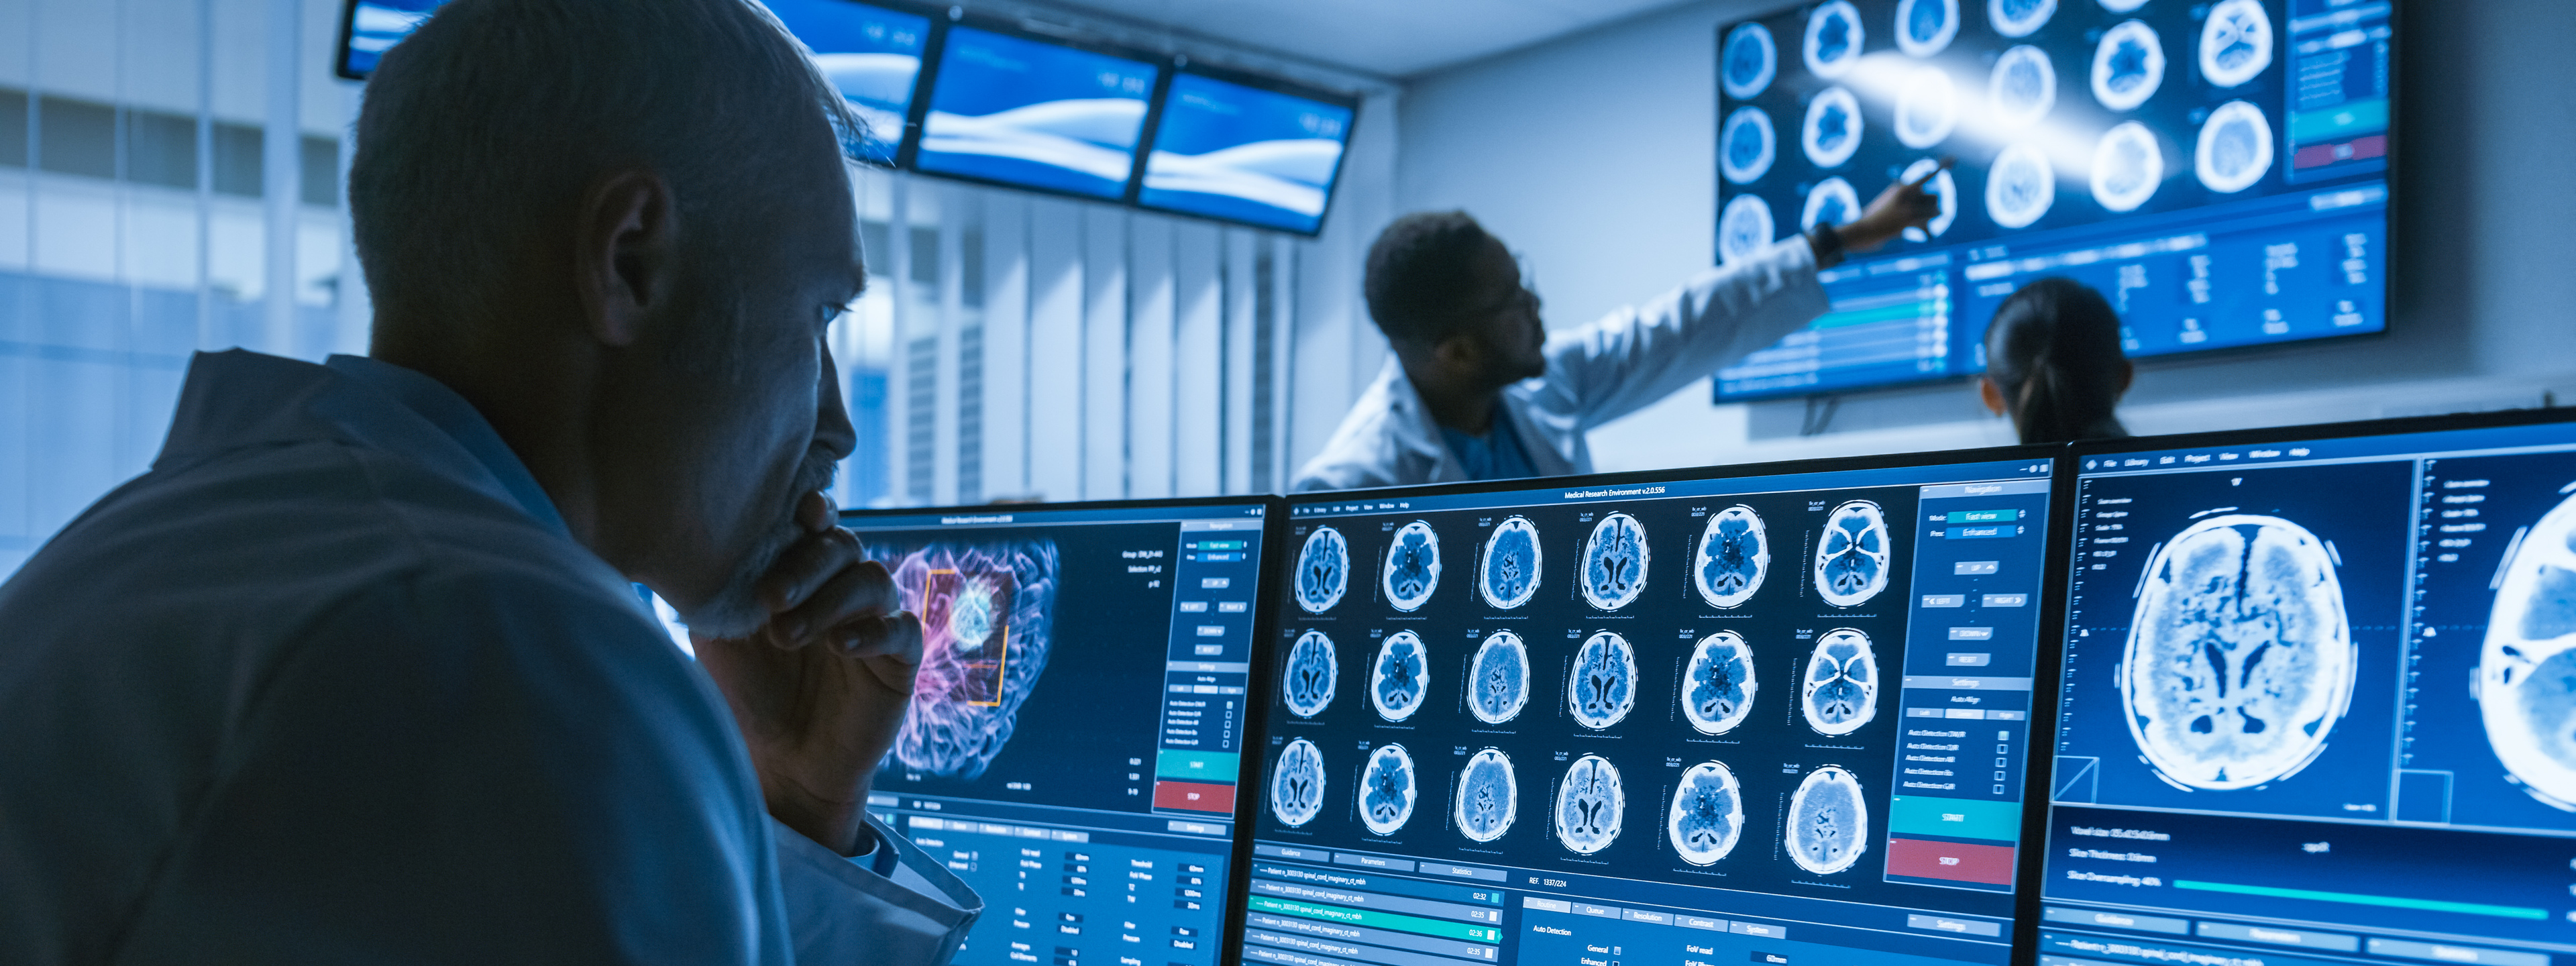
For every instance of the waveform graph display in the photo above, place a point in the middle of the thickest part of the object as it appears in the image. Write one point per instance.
(1852, 555)
(1840, 693)
(1734, 555)
(1498, 678)
(1602, 688)
(986, 612)
(1508, 576)
(2240, 658)
(2526, 675)
(1397, 677)
(1297, 784)
(1488, 796)
(1718, 688)
(1387, 790)
(1310, 675)
(1707, 816)
(1323, 570)
(1828, 821)
(1615, 561)
(1590, 804)
(1412, 568)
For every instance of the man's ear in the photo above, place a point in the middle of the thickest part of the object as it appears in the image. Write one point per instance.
(624, 241)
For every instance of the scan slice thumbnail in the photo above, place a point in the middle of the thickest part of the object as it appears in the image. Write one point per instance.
(2240, 657)
(1840, 693)
(1923, 27)
(1615, 559)
(2235, 148)
(1312, 669)
(1734, 555)
(2122, 6)
(2235, 42)
(1589, 805)
(1603, 686)
(2127, 167)
(1744, 229)
(2022, 87)
(2018, 18)
(1488, 796)
(1297, 783)
(1750, 143)
(2525, 669)
(1927, 109)
(1832, 129)
(1508, 576)
(1944, 188)
(1708, 814)
(1323, 570)
(1387, 790)
(1498, 679)
(986, 610)
(2128, 66)
(1832, 202)
(1828, 821)
(1852, 557)
(1718, 689)
(1834, 39)
(1412, 566)
(2020, 186)
(1752, 59)
(1396, 679)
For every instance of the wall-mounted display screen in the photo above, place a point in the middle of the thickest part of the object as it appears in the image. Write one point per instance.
(871, 54)
(1035, 114)
(368, 28)
(1242, 153)
(2218, 170)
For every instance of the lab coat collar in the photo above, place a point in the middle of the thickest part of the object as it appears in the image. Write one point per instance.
(1415, 433)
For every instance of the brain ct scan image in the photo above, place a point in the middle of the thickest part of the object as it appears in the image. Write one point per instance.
(1833, 39)
(2235, 42)
(1297, 784)
(1412, 566)
(1832, 202)
(1387, 790)
(1589, 805)
(1312, 668)
(1832, 129)
(1828, 821)
(1944, 188)
(1750, 145)
(986, 613)
(1923, 27)
(2018, 18)
(2235, 149)
(1734, 555)
(2127, 167)
(1708, 814)
(2525, 670)
(1841, 691)
(1744, 229)
(1509, 575)
(1498, 678)
(2020, 186)
(1752, 59)
(1323, 570)
(2022, 87)
(1852, 556)
(1718, 689)
(1603, 685)
(1927, 109)
(2240, 657)
(2122, 6)
(1488, 796)
(2128, 66)
(1396, 679)
(1615, 558)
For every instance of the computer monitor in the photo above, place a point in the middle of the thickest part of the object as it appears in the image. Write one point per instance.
(2219, 170)
(1073, 740)
(1772, 714)
(2316, 703)
(1249, 150)
(871, 54)
(1029, 112)
(368, 28)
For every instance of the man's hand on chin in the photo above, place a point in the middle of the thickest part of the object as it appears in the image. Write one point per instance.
(819, 691)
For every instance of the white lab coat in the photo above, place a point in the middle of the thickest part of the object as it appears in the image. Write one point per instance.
(1595, 374)
(333, 683)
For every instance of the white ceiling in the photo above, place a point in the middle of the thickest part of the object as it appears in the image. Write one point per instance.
(1389, 38)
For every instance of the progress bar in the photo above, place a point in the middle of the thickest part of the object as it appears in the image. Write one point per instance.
(2432, 905)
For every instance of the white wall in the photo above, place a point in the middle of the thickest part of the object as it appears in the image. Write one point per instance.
(1595, 156)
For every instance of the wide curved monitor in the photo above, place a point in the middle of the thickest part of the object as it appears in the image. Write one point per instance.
(1246, 150)
(871, 54)
(1029, 112)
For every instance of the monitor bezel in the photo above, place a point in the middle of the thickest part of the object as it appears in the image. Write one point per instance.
(926, 86)
(348, 32)
(1154, 132)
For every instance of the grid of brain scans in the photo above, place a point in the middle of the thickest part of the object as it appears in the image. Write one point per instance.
(2317, 696)
(1695, 719)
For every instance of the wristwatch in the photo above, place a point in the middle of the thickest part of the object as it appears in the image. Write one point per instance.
(1827, 243)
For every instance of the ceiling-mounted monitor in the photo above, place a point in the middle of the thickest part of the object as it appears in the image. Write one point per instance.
(1029, 112)
(871, 54)
(368, 28)
(1248, 150)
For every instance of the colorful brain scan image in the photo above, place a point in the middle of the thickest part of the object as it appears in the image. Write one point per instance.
(1412, 566)
(1718, 688)
(1852, 556)
(1832, 202)
(1707, 817)
(1509, 575)
(1744, 229)
(1734, 555)
(1498, 678)
(2127, 167)
(1841, 689)
(987, 610)
(1297, 783)
(1396, 679)
(1387, 790)
(2122, 6)
(1589, 805)
(2128, 65)
(2235, 42)
(1924, 27)
(1927, 108)
(2018, 18)
(1828, 821)
(2240, 657)
(2235, 149)
(2020, 186)
(1323, 570)
(2526, 674)
(1488, 796)
(2022, 87)
(1615, 558)
(1602, 688)
(1750, 145)
(1832, 130)
(1751, 60)
(1312, 668)
(1944, 189)
(1833, 39)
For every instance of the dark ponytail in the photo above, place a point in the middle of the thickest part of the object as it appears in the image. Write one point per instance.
(2054, 350)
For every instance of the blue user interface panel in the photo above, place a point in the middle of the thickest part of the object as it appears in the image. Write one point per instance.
(1072, 742)
(1226, 150)
(1032, 114)
(372, 27)
(2317, 705)
(1777, 719)
(2217, 170)
(872, 55)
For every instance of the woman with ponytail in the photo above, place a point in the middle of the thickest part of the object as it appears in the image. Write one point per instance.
(2053, 363)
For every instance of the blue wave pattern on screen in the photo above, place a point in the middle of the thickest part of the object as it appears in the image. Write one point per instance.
(377, 26)
(1035, 114)
(1245, 154)
(871, 55)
